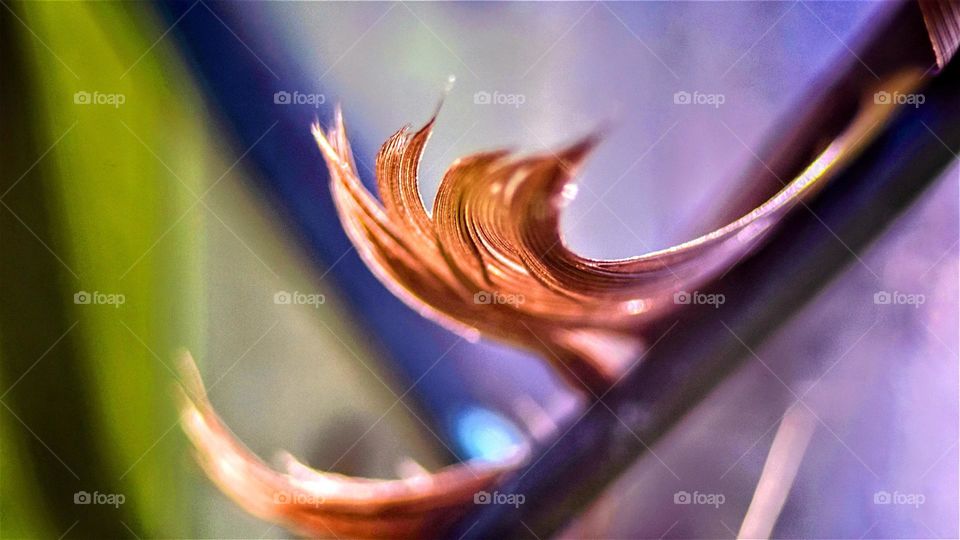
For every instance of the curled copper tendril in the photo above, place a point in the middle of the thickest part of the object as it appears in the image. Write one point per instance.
(317, 503)
(489, 261)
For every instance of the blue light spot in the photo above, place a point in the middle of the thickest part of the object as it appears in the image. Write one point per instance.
(486, 435)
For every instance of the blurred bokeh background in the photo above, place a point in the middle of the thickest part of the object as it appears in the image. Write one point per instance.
(160, 189)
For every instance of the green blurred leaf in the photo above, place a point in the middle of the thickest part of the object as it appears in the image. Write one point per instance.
(106, 205)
